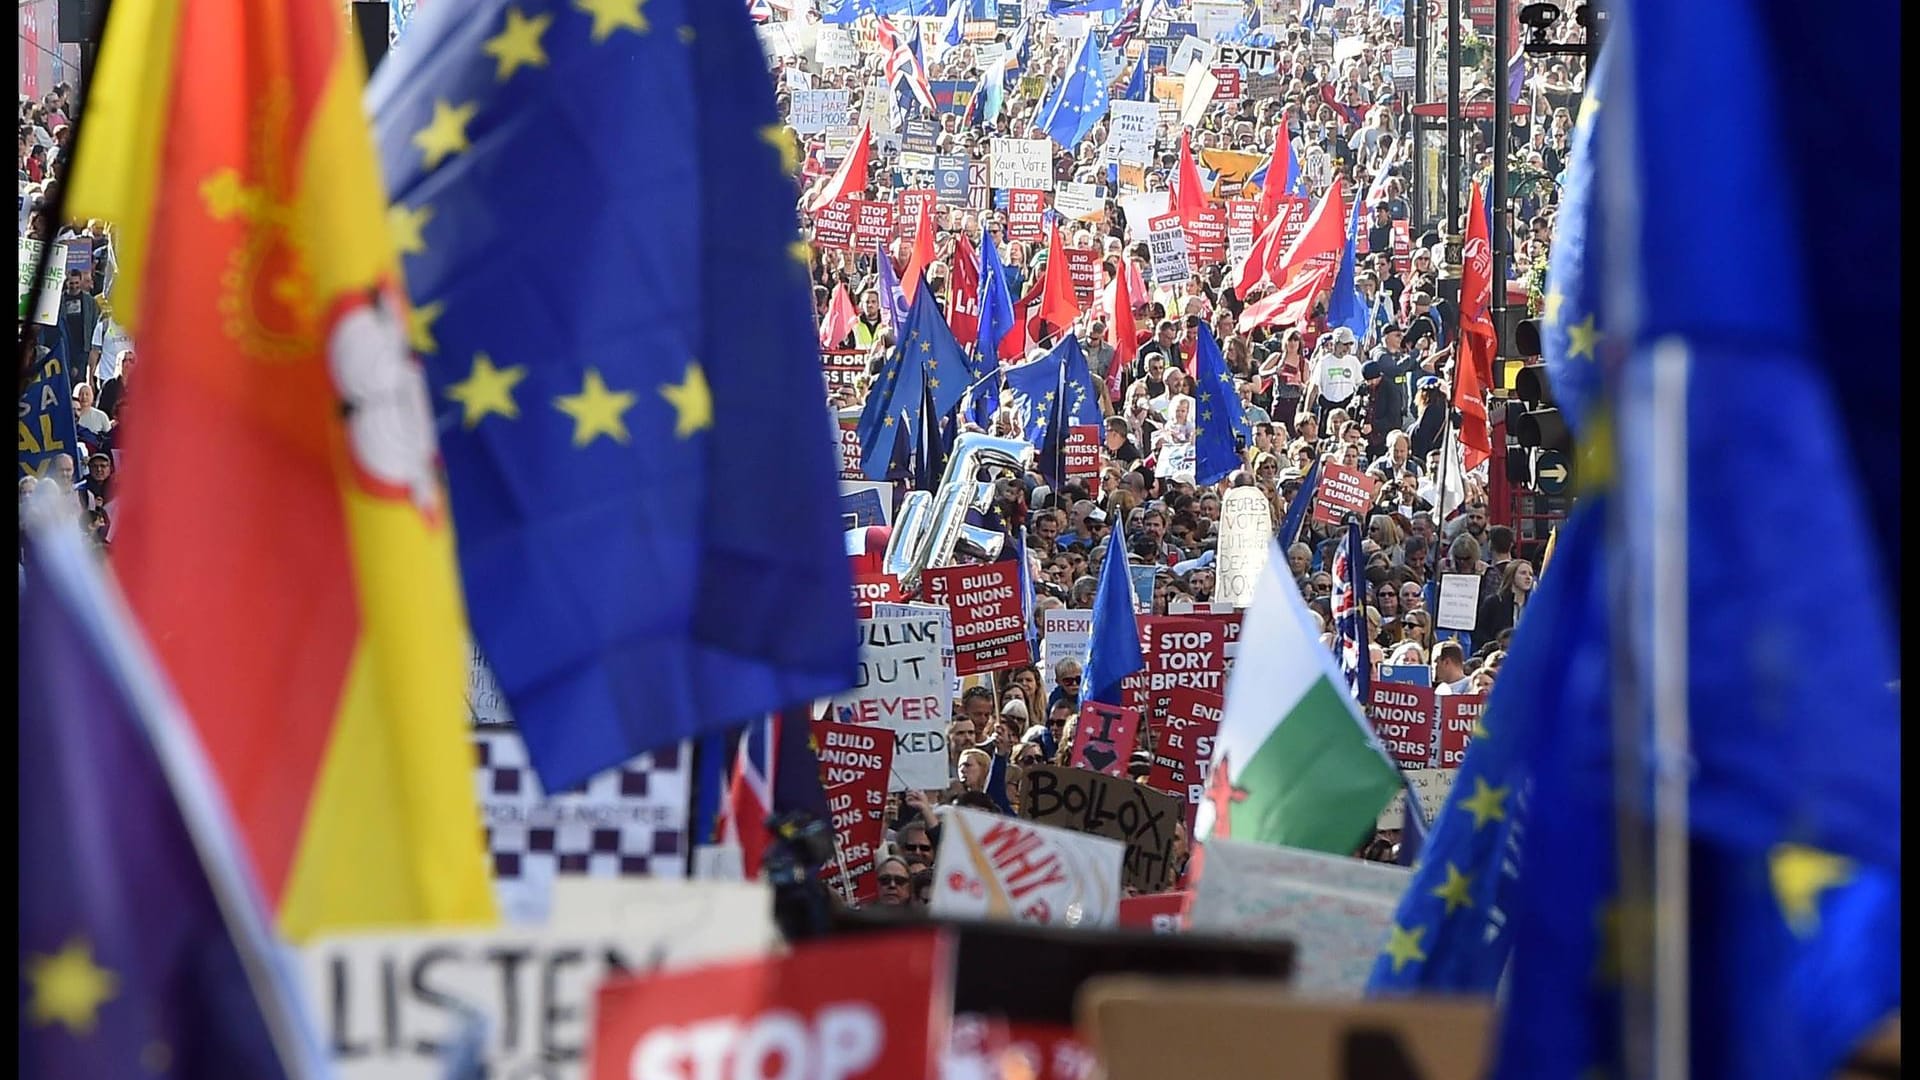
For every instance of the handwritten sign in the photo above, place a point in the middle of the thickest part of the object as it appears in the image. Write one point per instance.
(816, 110)
(1342, 491)
(1104, 738)
(1022, 163)
(1119, 809)
(1001, 868)
(1130, 132)
(989, 623)
(1246, 539)
(902, 686)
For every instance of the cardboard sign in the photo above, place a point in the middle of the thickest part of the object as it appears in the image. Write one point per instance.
(47, 428)
(813, 111)
(950, 172)
(1246, 540)
(1207, 235)
(1006, 869)
(873, 223)
(391, 1004)
(1402, 715)
(1459, 605)
(855, 764)
(1167, 242)
(1083, 267)
(1130, 131)
(1183, 752)
(908, 214)
(948, 664)
(869, 589)
(1089, 802)
(868, 1007)
(1065, 634)
(1431, 785)
(989, 622)
(833, 47)
(1158, 913)
(1104, 738)
(1342, 491)
(902, 686)
(1335, 908)
(833, 225)
(1022, 163)
(1083, 450)
(1026, 214)
(1459, 715)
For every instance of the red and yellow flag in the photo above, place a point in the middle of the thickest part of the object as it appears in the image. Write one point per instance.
(284, 538)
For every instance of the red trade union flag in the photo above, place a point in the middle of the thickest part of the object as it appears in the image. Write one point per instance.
(839, 319)
(1058, 305)
(850, 179)
(963, 292)
(1125, 334)
(1189, 194)
(1473, 370)
(922, 256)
(1321, 240)
(1289, 306)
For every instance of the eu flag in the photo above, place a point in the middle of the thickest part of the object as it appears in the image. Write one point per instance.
(1289, 532)
(643, 489)
(127, 862)
(1136, 89)
(1570, 310)
(1221, 418)
(1114, 651)
(926, 365)
(1345, 307)
(1078, 101)
(1056, 391)
(996, 322)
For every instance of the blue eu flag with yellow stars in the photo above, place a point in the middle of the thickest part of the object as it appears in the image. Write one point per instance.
(926, 365)
(1052, 394)
(643, 485)
(1220, 418)
(1570, 308)
(1079, 101)
(144, 949)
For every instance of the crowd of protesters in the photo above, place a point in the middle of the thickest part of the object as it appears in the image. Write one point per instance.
(1378, 401)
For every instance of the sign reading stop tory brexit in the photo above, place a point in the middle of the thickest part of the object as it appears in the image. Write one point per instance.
(873, 1007)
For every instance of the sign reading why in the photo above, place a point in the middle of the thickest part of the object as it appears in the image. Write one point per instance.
(902, 687)
(1342, 491)
(1104, 738)
(994, 867)
(392, 1005)
(871, 1007)
(1402, 716)
(1246, 537)
(855, 762)
(989, 627)
(1136, 815)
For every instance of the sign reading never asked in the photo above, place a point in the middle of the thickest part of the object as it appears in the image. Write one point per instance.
(902, 686)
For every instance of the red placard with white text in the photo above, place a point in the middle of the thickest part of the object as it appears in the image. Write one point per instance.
(1161, 913)
(907, 219)
(1084, 448)
(1184, 747)
(871, 589)
(1459, 715)
(1402, 715)
(989, 626)
(1083, 267)
(833, 225)
(1104, 738)
(1342, 491)
(1207, 236)
(873, 223)
(1026, 213)
(871, 1007)
(1177, 651)
(855, 760)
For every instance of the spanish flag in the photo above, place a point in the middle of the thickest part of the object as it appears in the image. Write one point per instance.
(285, 539)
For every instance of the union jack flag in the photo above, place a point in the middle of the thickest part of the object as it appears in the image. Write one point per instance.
(1350, 614)
(776, 770)
(1124, 30)
(905, 73)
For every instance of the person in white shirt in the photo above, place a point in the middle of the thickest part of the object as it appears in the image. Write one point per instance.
(84, 412)
(1336, 372)
(110, 343)
(1449, 669)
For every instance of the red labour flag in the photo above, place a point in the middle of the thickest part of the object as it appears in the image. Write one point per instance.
(963, 292)
(850, 180)
(1189, 194)
(1474, 372)
(1278, 167)
(1289, 306)
(838, 322)
(1325, 235)
(922, 257)
(1125, 335)
(1058, 305)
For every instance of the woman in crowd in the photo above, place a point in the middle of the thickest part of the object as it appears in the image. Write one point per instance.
(1502, 610)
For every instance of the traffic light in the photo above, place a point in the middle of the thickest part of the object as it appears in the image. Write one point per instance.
(1543, 459)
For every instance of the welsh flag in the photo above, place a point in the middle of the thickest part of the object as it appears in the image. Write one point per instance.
(1294, 763)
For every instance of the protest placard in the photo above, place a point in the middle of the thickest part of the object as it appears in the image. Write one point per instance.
(871, 589)
(1226, 82)
(848, 421)
(1183, 751)
(1009, 14)
(1431, 785)
(833, 47)
(842, 367)
(1065, 634)
(902, 686)
(1249, 57)
(1158, 913)
(1342, 491)
(1142, 579)
(1417, 674)
(989, 625)
(1459, 716)
(486, 704)
(1246, 539)
(1207, 235)
(47, 428)
(1026, 214)
(1459, 604)
(866, 502)
(873, 223)
(994, 867)
(1140, 208)
(1403, 61)
(1083, 448)
(1177, 651)
(939, 613)
(817, 110)
(392, 1003)
(856, 762)
(833, 225)
(1167, 242)
(867, 1007)
(1077, 202)
(1130, 132)
(1083, 268)
(919, 135)
(1104, 738)
(46, 311)
(1022, 163)
(1336, 909)
(907, 214)
(1402, 715)
(1192, 49)
(1175, 461)
(950, 178)
(1111, 806)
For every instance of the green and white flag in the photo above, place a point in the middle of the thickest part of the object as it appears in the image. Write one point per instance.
(1294, 763)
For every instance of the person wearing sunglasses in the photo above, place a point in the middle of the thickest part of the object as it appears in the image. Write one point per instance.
(916, 844)
(896, 882)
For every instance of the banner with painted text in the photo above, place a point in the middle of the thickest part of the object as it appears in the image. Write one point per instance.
(902, 687)
(1142, 819)
(1009, 870)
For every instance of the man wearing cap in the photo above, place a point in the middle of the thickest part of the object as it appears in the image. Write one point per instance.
(1336, 373)
(1387, 372)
